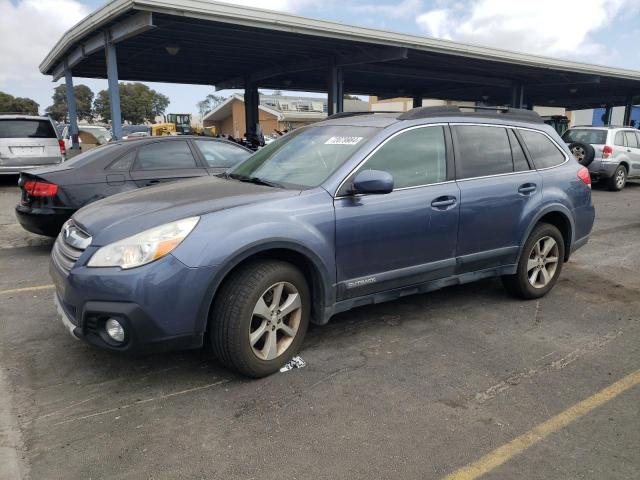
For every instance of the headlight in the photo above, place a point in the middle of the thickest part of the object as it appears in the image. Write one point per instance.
(145, 247)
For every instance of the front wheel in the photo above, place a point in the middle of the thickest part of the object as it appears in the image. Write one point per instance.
(540, 263)
(260, 317)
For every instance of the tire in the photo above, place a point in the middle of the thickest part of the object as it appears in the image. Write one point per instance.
(618, 180)
(520, 284)
(253, 288)
(583, 152)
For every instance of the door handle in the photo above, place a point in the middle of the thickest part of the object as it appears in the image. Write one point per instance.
(441, 203)
(527, 188)
(153, 182)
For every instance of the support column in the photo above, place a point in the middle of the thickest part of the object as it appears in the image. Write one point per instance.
(417, 100)
(71, 108)
(335, 89)
(517, 96)
(114, 92)
(606, 118)
(627, 112)
(251, 113)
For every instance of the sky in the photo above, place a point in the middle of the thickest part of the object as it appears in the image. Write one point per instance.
(605, 32)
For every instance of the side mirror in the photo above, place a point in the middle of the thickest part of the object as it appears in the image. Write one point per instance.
(373, 182)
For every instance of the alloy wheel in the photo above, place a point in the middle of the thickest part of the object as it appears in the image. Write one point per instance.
(543, 262)
(620, 178)
(579, 153)
(275, 320)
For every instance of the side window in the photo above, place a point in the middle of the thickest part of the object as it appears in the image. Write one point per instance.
(165, 155)
(520, 163)
(124, 163)
(481, 151)
(220, 154)
(631, 140)
(543, 151)
(619, 139)
(416, 157)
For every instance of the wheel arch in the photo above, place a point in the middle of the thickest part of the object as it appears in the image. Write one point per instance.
(558, 216)
(307, 261)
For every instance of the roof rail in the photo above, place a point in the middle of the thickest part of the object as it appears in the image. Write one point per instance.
(516, 113)
(353, 114)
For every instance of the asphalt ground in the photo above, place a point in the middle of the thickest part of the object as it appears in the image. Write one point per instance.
(466, 382)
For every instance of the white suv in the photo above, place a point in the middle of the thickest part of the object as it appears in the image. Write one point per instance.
(612, 154)
(28, 141)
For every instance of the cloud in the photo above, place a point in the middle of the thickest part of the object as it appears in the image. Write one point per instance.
(279, 5)
(28, 31)
(403, 9)
(544, 27)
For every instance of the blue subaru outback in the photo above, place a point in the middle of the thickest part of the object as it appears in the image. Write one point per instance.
(354, 210)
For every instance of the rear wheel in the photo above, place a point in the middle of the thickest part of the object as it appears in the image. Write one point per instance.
(540, 263)
(260, 317)
(618, 180)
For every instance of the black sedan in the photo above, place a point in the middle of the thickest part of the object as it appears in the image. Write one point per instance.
(51, 195)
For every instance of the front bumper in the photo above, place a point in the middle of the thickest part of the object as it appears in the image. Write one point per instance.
(160, 305)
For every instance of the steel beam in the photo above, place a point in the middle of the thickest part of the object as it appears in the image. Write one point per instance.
(517, 96)
(71, 109)
(417, 101)
(371, 56)
(114, 89)
(252, 113)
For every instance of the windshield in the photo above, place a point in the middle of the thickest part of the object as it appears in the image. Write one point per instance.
(585, 135)
(305, 157)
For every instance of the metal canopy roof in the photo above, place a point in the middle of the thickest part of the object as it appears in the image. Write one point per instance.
(225, 45)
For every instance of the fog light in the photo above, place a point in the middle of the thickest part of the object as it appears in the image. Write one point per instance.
(114, 330)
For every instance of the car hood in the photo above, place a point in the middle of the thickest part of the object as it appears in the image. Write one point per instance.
(128, 213)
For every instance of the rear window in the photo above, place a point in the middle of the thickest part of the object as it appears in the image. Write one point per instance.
(543, 151)
(585, 135)
(27, 129)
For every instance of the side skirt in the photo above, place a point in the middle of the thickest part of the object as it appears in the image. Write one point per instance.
(424, 287)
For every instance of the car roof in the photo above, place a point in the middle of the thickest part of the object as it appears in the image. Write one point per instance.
(602, 127)
(19, 116)
(165, 138)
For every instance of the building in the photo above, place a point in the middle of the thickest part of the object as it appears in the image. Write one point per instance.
(275, 112)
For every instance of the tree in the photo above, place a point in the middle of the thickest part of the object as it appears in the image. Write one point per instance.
(138, 103)
(210, 102)
(59, 110)
(11, 104)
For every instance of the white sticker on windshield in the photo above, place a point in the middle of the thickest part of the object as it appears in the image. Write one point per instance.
(343, 140)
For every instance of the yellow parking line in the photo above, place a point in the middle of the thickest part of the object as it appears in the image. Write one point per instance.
(27, 289)
(516, 446)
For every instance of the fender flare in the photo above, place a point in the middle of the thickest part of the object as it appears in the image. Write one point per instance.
(327, 294)
(553, 208)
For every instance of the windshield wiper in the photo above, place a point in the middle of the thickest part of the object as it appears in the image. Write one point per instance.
(256, 180)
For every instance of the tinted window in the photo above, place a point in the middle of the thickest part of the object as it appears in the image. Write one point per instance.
(482, 151)
(619, 139)
(163, 155)
(220, 154)
(631, 140)
(519, 160)
(416, 157)
(595, 137)
(543, 151)
(27, 129)
(124, 163)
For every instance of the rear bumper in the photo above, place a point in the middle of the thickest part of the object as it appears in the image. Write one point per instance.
(42, 221)
(603, 168)
(158, 305)
(13, 166)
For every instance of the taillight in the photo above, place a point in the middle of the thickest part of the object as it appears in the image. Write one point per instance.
(63, 149)
(583, 174)
(36, 188)
(607, 151)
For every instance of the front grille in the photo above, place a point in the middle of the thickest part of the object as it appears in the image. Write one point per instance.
(65, 255)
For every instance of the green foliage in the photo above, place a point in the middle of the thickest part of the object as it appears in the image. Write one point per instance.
(138, 103)
(209, 103)
(84, 99)
(11, 104)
